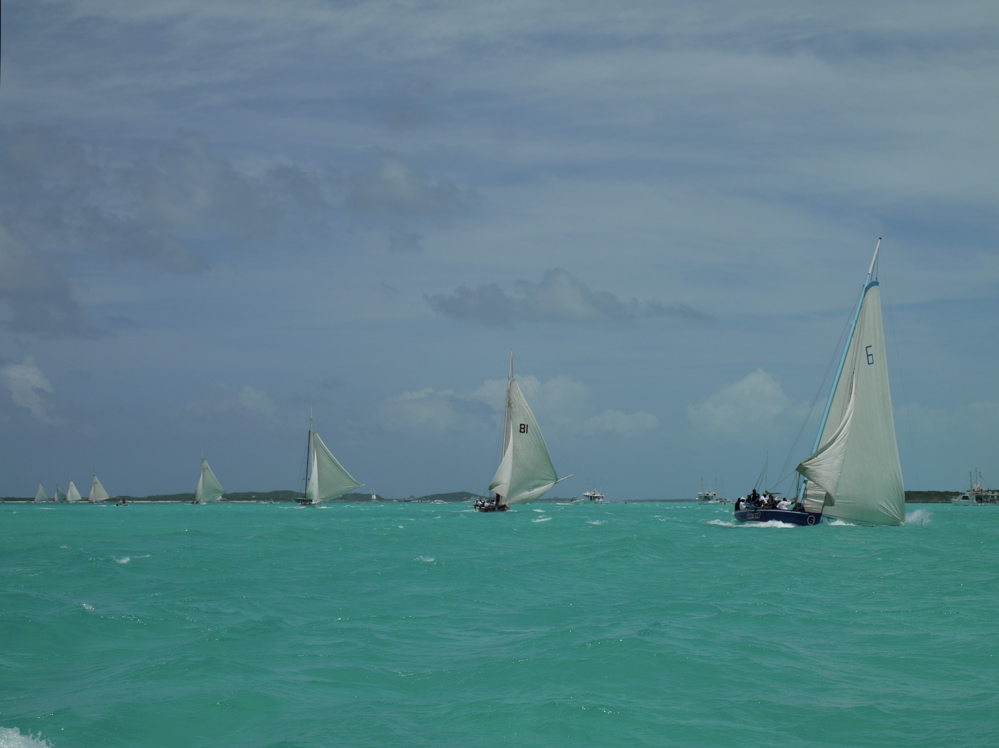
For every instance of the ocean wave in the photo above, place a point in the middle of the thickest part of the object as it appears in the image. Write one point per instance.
(733, 523)
(12, 738)
(918, 517)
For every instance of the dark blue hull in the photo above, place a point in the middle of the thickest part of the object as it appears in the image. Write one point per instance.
(778, 515)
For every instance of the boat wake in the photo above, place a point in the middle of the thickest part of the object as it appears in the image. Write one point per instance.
(919, 517)
(733, 523)
(541, 519)
(12, 738)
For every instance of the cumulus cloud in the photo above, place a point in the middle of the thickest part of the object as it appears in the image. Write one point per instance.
(29, 388)
(561, 403)
(255, 401)
(742, 408)
(559, 297)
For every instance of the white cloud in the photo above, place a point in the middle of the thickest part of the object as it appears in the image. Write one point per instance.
(618, 423)
(29, 388)
(255, 401)
(740, 409)
(558, 297)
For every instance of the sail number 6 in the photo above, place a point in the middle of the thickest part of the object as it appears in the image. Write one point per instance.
(870, 356)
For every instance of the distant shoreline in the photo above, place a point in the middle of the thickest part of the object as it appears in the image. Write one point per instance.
(272, 497)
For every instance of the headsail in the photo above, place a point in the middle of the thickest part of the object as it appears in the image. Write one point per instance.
(526, 471)
(59, 495)
(209, 488)
(855, 473)
(97, 492)
(328, 479)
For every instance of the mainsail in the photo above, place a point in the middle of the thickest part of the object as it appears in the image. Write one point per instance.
(854, 472)
(73, 493)
(209, 488)
(526, 471)
(40, 495)
(327, 478)
(59, 495)
(97, 492)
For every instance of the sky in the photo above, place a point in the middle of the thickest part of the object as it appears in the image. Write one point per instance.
(218, 217)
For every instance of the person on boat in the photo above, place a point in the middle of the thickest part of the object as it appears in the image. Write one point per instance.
(783, 504)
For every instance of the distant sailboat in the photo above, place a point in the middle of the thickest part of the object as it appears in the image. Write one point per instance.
(59, 495)
(209, 488)
(97, 492)
(854, 473)
(326, 479)
(73, 494)
(40, 495)
(525, 471)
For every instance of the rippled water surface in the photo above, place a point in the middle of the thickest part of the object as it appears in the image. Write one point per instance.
(658, 624)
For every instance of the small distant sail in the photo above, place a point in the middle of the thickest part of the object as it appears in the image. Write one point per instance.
(209, 488)
(40, 495)
(73, 494)
(328, 479)
(97, 492)
(59, 495)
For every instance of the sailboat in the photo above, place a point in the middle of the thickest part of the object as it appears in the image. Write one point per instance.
(59, 495)
(325, 479)
(40, 495)
(209, 488)
(73, 493)
(525, 471)
(854, 473)
(97, 492)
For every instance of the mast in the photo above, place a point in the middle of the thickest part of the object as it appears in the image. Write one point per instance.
(308, 454)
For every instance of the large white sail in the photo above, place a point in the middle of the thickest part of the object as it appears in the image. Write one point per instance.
(526, 471)
(209, 488)
(40, 494)
(855, 474)
(328, 479)
(73, 493)
(97, 492)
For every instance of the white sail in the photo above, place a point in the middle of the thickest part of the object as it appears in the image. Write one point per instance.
(328, 479)
(526, 471)
(59, 495)
(855, 475)
(97, 492)
(40, 495)
(73, 493)
(209, 488)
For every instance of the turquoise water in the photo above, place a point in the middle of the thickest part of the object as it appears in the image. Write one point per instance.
(650, 624)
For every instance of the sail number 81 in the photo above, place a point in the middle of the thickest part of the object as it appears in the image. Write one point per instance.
(523, 428)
